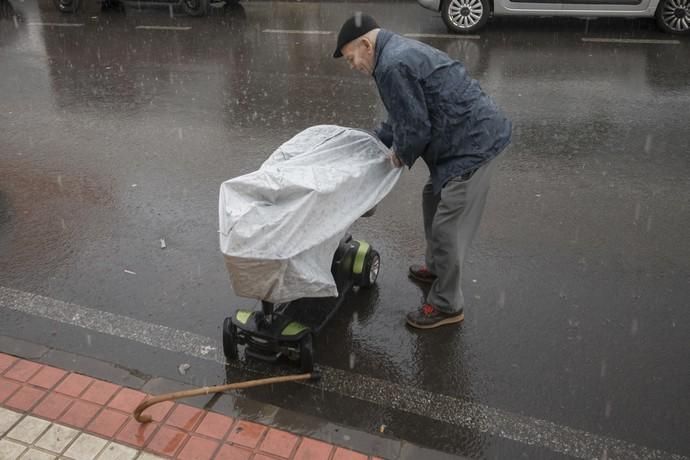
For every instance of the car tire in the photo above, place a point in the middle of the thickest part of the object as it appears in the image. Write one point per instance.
(673, 16)
(195, 7)
(66, 6)
(465, 16)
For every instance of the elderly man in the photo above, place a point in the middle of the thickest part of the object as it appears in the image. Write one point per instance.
(436, 112)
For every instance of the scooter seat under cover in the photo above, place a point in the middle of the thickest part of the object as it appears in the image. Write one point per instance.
(281, 225)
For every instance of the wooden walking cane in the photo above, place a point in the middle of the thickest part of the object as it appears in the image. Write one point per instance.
(217, 389)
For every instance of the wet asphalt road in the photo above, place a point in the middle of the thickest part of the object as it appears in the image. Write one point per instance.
(114, 137)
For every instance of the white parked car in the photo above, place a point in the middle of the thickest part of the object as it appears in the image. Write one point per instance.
(460, 16)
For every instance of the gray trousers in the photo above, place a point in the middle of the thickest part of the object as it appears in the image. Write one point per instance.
(451, 219)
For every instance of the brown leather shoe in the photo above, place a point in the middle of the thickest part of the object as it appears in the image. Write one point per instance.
(421, 273)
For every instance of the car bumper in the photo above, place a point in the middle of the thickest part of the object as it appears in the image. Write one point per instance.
(434, 5)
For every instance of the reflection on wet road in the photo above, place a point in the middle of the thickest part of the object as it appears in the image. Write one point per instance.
(119, 126)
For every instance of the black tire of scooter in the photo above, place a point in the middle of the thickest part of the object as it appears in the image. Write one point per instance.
(306, 353)
(229, 339)
(372, 261)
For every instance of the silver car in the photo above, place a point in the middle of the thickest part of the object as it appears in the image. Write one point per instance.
(460, 16)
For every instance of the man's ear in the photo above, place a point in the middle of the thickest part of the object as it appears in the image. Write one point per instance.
(367, 44)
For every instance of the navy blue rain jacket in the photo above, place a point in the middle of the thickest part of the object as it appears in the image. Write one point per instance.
(435, 110)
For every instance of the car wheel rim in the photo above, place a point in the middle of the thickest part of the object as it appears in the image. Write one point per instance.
(192, 4)
(676, 15)
(467, 13)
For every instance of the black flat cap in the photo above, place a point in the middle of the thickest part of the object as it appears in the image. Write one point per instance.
(353, 28)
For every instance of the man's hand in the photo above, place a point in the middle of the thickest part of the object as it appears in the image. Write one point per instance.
(395, 160)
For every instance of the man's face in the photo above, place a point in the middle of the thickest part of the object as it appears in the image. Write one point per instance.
(359, 54)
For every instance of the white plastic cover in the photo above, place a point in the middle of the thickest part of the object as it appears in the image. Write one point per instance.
(280, 226)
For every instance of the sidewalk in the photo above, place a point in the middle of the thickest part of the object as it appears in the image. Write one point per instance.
(49, 413)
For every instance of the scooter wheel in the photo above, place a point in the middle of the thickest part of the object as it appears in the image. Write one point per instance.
(306, 353)
(229, 339)
(372, 266)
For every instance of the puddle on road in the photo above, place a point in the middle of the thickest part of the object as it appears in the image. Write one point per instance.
(42, 216)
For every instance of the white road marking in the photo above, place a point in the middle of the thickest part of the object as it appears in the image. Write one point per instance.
(306, 32)
(631, 41)
(459, 412)
(162, 28)
(55, 24)
(460, 37)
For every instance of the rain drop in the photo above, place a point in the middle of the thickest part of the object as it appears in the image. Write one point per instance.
(352, 360)
(502, 299)
(605, 454)
(648, 144)
(634, 327)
